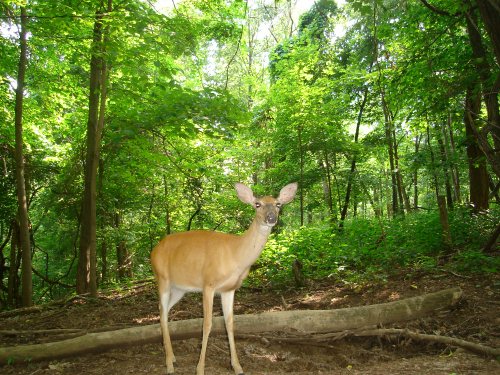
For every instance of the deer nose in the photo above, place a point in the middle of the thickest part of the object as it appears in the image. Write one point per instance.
(271, 218)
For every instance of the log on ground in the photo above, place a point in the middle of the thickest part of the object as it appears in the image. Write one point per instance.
(316, 321)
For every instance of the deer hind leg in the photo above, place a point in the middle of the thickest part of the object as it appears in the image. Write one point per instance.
(168, 297)
(227, 299)
(208, 302)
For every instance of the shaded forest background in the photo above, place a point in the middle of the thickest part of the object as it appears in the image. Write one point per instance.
(123, 121)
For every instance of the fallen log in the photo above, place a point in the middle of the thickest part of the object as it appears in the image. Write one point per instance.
(299, 320)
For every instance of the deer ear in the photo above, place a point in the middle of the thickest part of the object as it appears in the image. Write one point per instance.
(288, 193)
(244, 193)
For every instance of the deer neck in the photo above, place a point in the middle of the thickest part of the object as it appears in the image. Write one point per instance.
(252, 242)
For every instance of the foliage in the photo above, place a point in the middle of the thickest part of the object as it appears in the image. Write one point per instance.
(368, 250)
(208, 93)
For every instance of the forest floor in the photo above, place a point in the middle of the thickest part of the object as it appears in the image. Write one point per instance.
(476, 318)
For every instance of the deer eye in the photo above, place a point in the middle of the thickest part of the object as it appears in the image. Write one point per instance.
(257, 204)
(278, 205)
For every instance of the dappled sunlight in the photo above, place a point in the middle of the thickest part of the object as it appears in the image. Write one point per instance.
(149, 319)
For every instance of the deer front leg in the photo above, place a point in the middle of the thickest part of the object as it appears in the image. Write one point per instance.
(167, 344)
(227, 299)
(208, 302)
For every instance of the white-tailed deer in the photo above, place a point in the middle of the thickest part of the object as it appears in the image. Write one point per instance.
(213, 262)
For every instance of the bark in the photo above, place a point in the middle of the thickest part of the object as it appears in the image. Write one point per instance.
(343, 213)
(490, 14)
(297, 320)
(445, 167)
(403, 197)
(415, 174)
(454, 170)
(491, 244)
(478, 174)
(433, 164)
(327, 188)
(489, 80)
(87, 262)
(445, 224)
(88, 217)
(14, 263)
(301, 191)
(26, 279)
(390, 150)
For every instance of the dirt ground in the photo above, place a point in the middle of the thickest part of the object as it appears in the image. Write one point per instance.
(476, 319)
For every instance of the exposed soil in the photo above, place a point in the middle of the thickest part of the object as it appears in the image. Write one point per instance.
(476, 319)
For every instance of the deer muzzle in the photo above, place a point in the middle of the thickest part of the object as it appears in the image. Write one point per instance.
(271, 218)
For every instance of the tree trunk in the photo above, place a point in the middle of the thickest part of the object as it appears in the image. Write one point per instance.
(328, 191)
(433, 164)
(445, 168)
(403, 197)
(350, 178)
(490, 14)
(390, 151)
(122, 255)
(415, 174)
(454, 169)
(297, 320)
(22, 201)
(104, 261)
(445, 224)
(14, 263)
(87, 261)
(88, 215)
(168, 219)
(478, 174)
(301, 169)
(489, 86)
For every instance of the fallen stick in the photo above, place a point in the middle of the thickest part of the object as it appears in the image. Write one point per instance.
(451, 341)
(312, 339)
(299, 321)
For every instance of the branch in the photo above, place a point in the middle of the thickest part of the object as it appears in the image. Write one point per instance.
(439, 11)
(452, 341)
(52, 282)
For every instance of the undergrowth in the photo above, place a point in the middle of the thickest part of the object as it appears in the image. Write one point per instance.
(372, 250)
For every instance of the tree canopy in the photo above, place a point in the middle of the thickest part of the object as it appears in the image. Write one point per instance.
(137, 119)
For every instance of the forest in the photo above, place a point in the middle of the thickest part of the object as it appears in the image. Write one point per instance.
(123, 121)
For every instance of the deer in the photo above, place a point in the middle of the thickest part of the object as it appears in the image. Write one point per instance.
(213, 262)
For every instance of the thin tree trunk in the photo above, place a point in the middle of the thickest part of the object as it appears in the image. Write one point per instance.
(104, 261)
(168, 220)
(403, 197)
(122, 255)
(454, 168)
(445, 168)
(87, 262)
(415, 174)
(433, 164)
(328, 190)
(478, 174)
(445, 225)
(14, 263)
(301, 185)
(24, 235)
(350, 178)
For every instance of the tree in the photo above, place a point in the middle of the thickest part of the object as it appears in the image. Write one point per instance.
(24, 230)
(87, 262)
